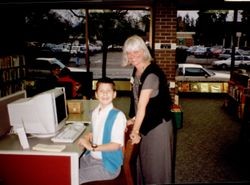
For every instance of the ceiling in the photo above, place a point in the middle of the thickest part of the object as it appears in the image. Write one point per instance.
(209, 4)
(128, 4)
(92, 4)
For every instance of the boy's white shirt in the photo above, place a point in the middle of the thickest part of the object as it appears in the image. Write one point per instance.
(98, 119)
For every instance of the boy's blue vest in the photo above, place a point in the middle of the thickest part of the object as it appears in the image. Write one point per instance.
(112, 160)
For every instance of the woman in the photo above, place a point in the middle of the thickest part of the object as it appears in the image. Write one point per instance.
(152, 123)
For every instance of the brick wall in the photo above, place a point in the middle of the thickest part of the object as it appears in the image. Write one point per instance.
(165, 32)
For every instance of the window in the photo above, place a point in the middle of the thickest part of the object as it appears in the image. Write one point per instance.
(194, 72)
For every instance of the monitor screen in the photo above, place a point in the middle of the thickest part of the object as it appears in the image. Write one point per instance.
(42, 115)
(5, 122)
(60, 108)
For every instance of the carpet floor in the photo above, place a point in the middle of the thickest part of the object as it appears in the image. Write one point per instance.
(208, 147)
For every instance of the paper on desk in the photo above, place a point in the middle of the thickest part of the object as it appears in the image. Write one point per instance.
(49, 148)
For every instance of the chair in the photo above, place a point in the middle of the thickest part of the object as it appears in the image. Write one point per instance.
(85, 79)
(68, 89)
(127, 175)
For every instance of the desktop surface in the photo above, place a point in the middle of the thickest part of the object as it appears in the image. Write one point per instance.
(81, 118)
(85, 116)
(10, 143)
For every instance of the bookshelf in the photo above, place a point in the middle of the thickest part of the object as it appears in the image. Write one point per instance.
(202, 87)
(238, 90)
(12, 74)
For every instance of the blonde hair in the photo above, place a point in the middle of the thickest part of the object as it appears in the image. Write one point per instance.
(135, 43)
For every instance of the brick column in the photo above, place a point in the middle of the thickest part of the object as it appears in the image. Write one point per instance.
(165, 33)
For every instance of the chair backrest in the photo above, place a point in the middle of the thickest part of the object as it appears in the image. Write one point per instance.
(130, 154)
(85, 79)
(68, 88)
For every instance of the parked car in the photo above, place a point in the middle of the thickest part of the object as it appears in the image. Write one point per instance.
(216, 51)
(48, 52)
(77, 50)
(203, 52)
(226, 53)
(196, 72)
(40, 67)
(94, 48)
(192, 49)
(240, 61)
(61, 48)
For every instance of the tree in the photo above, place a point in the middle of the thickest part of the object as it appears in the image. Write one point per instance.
(180, 24)
(246, 29)
(210, 27)
(189, 23)
(46, 26)
(112, 28)
(185, 24)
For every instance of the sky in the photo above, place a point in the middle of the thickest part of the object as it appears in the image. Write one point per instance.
(192, 14)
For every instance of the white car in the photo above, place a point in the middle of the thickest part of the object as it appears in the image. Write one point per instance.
(240, 61)
(78, 50)
(92, 48)
(197, 73)
(226, 53)
(40, 67)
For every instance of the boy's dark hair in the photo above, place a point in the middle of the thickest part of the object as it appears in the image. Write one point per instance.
(107, 81)
(65, 71)
(54, 66)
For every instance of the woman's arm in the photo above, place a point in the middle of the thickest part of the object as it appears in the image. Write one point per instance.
(141, 109)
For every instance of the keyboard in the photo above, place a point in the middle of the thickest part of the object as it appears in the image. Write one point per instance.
(69, 133)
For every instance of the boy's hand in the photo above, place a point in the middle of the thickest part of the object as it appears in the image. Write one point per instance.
(84, 143)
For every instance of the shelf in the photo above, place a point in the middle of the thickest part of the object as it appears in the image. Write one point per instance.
(238, 90)
(203, 87)
(12, 74)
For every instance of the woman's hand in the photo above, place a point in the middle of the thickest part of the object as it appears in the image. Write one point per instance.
(131, 121)
(135, 137)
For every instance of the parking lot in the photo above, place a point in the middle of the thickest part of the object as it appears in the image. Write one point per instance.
(113, 68)
(203, 61)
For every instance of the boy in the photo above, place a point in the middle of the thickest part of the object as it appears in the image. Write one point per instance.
(106, 140)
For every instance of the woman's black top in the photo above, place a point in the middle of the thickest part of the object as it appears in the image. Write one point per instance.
(158, 107)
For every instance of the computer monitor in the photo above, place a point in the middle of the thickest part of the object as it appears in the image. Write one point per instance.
(42, 115)
(4, 101)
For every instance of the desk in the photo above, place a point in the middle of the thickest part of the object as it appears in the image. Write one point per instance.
(29, 167)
